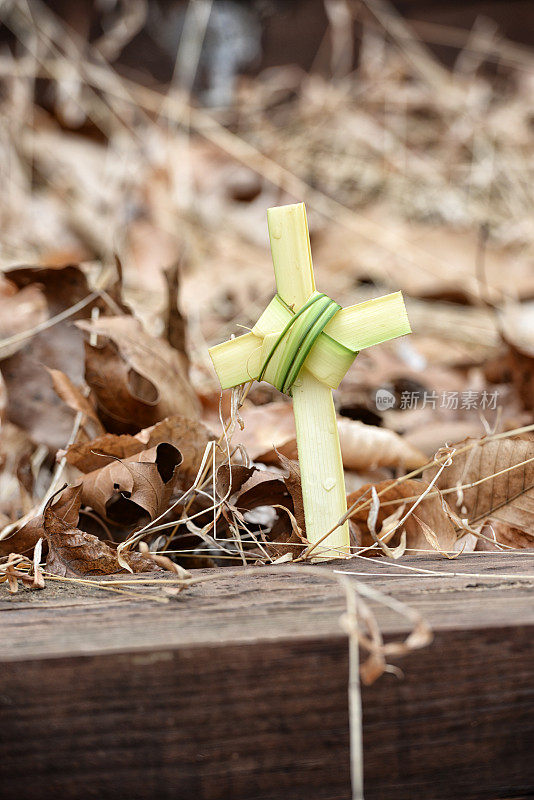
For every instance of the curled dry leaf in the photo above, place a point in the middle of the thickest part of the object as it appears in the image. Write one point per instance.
(270, 429)
(189, 436)
(252, 488)
(32, 402)
(431, 510)
(503, 473)
(72, 553)
(66, 508)
(137, 380)
(134, 489)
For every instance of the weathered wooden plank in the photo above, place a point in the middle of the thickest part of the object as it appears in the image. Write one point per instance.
(215, 695)
(274, 602)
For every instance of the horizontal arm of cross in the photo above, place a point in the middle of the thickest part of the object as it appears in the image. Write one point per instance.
(356, 327)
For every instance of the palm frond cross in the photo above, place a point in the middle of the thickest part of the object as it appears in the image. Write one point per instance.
(303, 344)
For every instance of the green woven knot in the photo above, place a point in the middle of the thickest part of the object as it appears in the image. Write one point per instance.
(297, 339)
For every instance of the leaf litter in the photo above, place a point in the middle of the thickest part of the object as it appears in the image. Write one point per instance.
(105, 380)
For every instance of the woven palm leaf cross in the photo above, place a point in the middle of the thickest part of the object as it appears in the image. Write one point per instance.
(303, 344)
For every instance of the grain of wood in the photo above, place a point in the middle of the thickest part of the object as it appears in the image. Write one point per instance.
(214, 695)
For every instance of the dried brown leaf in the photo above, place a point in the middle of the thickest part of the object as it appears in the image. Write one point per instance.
(66, 507)
(137, 380)
(230, 479)
(507, 497)
(73, 553)
(128, 491)
(189, 436)
(284, 493)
